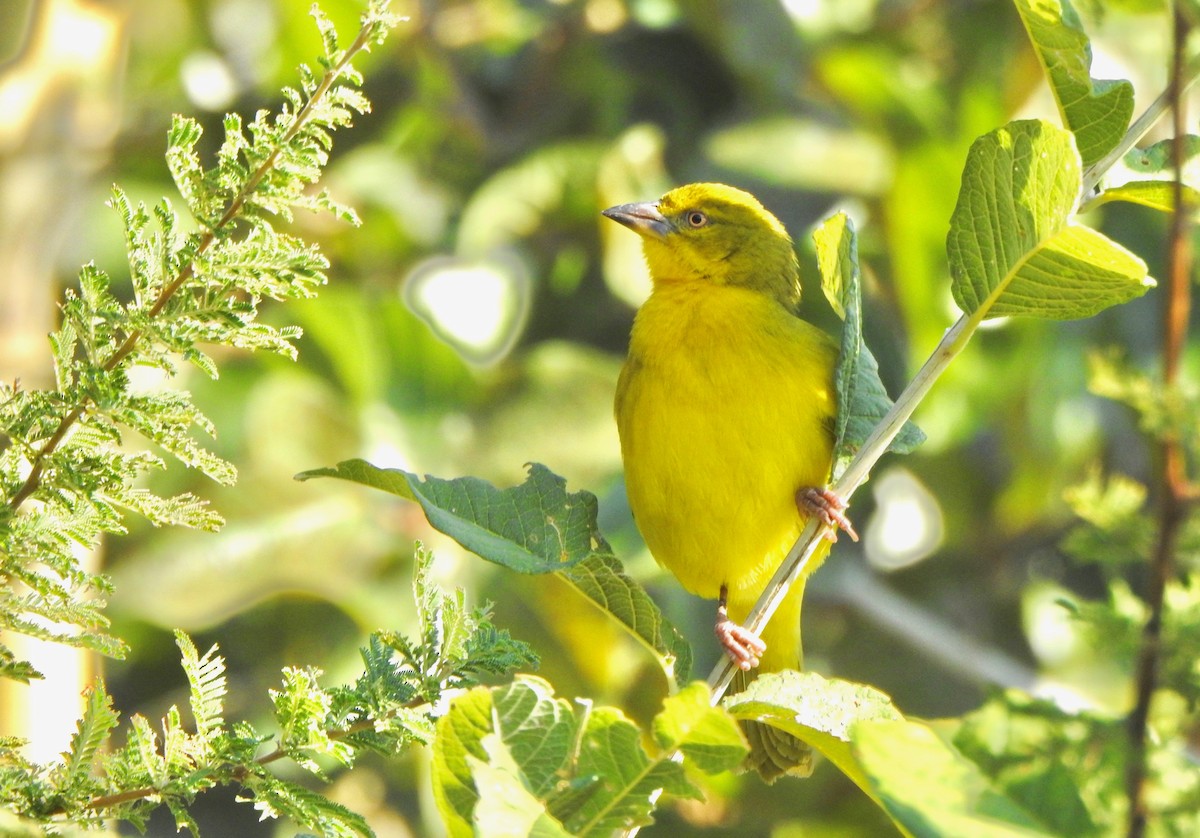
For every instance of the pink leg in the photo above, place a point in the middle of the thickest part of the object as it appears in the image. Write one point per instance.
(827, 506)
(744, 646)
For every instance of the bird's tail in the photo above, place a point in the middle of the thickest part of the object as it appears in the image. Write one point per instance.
(775, 753)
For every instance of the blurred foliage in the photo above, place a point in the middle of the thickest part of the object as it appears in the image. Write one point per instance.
(499, 129)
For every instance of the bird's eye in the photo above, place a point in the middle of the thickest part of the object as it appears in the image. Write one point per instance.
(696, 218)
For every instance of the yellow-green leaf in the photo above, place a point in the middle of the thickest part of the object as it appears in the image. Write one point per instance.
(1097, 111)
(815, 709)
(1013, 247)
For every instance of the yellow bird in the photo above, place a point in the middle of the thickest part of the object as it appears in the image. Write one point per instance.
(725, 408)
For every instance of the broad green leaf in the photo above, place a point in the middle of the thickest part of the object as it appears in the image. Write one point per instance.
(506, 806)
(1156, 194)
(459, 736)
(1012, 245)
(538, 731)
(1097, 111)
(602, 579)
(862, 399)
(537, 527)
(551, 749)
(929, 789)
(1052, 795)
(707, 735)
(1154, 161)
(631, 780)
(816, 710)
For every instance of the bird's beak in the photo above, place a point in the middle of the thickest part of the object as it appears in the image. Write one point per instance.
(643, 219)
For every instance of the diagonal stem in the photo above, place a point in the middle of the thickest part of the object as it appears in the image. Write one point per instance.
(797, 559)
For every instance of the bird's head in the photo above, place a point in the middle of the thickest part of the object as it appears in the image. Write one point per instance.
(711, 232)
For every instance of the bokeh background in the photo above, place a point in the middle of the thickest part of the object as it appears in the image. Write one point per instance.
(477, 320)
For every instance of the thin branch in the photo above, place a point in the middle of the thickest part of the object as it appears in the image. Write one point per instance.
(1174, 490)
(237, 772)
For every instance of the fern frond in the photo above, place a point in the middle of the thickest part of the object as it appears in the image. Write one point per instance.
(206, 681)
(91, 733)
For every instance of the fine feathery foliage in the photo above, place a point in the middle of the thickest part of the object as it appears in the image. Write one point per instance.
(65, 478)
(387, 709)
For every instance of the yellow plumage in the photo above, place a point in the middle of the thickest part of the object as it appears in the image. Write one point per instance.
(725, 407)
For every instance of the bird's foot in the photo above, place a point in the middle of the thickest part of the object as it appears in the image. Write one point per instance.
(742, 645)
(827, 506)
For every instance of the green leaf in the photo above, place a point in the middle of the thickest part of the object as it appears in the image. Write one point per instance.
(1115, 530)
(707, 735)
(1155, 194)
(1052, 795)
(593, 757)
(631, 780)
(1154, 161)
(1012, 245)
(91, 733)
(1096, 111)
(929, 789)
(143, 742)
(206, 680)
(537, 527)
(274, 798)
(538, 730)
(862, 398)
(815, 709)
(506, 806)
(602, 579)
(302, 711)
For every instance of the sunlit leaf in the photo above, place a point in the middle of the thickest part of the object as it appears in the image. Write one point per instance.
(1097, 111)
(707, 735)
(506, 806)
(630, 778)
(815, 709)
(1146, 176)
(595, 755)
(931, 790)
(1013, 247)
(862, 399)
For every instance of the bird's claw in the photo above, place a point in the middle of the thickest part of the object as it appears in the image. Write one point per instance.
(827, 506)
(744, 646)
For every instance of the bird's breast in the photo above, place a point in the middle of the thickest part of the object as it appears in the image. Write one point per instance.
(724, 408)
